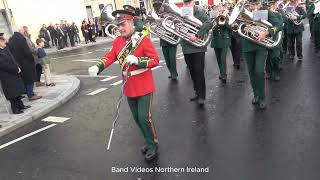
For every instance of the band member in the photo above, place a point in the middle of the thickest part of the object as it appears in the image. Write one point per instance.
(316, 26)
(273, 59)
(256, 56)
(138, 23)
(134, 51)
(284, 42)
(309, 3)
(221, 43)
(169, 52)
(295, 31)
(194, 56)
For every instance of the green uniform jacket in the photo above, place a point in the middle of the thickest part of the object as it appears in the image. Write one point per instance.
(295, 29)
(315, 18)
(138, 24)
(200, 14)
(221, 37)
(277, 23)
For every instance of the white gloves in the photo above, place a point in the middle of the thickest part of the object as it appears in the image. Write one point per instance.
(131, 59)
(93, 70)
(19, 70)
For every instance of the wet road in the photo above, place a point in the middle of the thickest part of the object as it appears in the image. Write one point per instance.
(230, 139)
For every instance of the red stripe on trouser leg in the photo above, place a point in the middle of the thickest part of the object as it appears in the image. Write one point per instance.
(151, 122)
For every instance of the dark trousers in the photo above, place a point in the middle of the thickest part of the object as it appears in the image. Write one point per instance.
(141, 110)
(71, 37)
(273, 62)
(284, 43)
(77, 38)
(29, 89)
(169, 53)
(195, 63)
(295, 44)
(256, 63)
(235, 49)
(317, 39)
(221, 55)
(54, 41)
(16, 103)
(38, 72)
(65, 39)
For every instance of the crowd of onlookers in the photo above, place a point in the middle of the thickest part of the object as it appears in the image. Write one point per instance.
(65, 34)
(21, 64)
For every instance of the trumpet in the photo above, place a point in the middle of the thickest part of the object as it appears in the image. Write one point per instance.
(111, 29)
(156, 29)
(181, 26)
(241, 21)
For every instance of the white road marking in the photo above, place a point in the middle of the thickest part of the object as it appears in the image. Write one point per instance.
(72, 55)
(55, 119)
(87, 60)
(99, 76)
(104, 49)
(156, 68)
(181, 57)
(26, 136)
(108, 78)
(97, 91)
(116, 83)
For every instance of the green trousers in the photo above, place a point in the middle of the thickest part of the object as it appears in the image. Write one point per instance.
(169, 53)
(221, 55)
(256, 62)
(141, 111)
(273, 62)
(317, 39)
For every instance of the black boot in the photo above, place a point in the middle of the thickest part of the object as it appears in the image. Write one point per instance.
(151, 154)
(194, 98)
(255, 100)
(144, 149)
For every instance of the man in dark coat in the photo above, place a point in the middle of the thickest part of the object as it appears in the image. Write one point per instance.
(53, 34)
(10, 78)
(23, 55)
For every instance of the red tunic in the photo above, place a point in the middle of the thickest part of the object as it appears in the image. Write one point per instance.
(140, 84)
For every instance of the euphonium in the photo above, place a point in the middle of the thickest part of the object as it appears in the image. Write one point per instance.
(156, 29)
(250, 29)
(181, 26)
(293, 16)
(111, 29)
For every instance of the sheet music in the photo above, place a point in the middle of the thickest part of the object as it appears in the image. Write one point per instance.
(260, 15)
(317, 7)
(187, 11)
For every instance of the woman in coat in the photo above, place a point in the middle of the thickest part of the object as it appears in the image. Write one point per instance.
(10, 78)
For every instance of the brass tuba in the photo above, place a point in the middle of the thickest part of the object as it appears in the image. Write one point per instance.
(155, 27)
(181, 26)
(111, 29)
(241, 20)
(292, 15)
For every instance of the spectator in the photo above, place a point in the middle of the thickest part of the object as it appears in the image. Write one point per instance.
(10, 78)
(91, 30)
(71, 33)
(43, 33)
(63, 27)
(53, 34)
(60, 36)
(23, 55)
(33, 50)
(85, 31)
(44, 60)
(76, 30)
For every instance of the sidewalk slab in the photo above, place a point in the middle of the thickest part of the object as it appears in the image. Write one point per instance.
(53, 97)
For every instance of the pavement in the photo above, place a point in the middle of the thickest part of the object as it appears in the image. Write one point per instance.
(53, 97)
(99, 40)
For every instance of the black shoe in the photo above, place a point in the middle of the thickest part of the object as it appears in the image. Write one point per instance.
(17, 111)
(262, 104)
(200, 101)
(174, 78)
(151, 154)
(255, 100)
(169, 77)
(194, 98)
(300, 58)
(223, 80)
(144, 149)
(25, 107)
